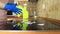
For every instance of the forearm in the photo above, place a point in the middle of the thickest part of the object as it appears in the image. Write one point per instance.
(2, 5)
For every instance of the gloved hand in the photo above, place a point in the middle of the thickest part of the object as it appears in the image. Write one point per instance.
(17, 26)
(12, 7)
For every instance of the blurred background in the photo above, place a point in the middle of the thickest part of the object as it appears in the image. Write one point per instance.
(47, 12)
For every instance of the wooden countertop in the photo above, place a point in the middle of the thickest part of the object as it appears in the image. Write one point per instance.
(51, 20)
(29, 32)
(32, 32)
(44, 18)
(17, 18)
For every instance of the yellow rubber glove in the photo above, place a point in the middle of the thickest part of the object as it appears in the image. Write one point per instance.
(25, 16)
(18, 6)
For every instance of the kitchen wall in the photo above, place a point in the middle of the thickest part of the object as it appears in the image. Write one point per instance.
(31, 6)
(49, 9)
